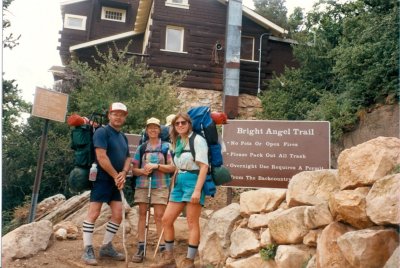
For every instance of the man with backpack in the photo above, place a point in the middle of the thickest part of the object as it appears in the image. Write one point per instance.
(113, 162)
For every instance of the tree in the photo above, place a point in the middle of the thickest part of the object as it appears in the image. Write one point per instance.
(348, 55)
(9, 41)
(92, 89)
(273, 10)
(116, 77)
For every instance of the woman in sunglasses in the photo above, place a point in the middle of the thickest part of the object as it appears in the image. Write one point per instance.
(187, 190)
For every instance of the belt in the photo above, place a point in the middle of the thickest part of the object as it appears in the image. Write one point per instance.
(195, 171)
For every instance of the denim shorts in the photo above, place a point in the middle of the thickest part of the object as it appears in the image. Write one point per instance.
(104, 191)
(184, 188)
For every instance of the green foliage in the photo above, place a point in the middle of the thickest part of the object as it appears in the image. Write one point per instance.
(348, 56)
(13, 105)
(273, 10)
(91, 90)
(9, 41)
(396, 169)
(269, 252)
(117, 78)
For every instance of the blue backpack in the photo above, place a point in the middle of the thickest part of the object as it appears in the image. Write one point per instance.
(203, 125)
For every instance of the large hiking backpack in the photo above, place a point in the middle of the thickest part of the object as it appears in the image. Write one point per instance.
(203, 124)
(84, 154)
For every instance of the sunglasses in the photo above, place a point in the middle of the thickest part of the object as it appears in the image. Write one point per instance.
(183, 123)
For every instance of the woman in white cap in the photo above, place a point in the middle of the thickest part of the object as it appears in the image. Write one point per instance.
(152, 160)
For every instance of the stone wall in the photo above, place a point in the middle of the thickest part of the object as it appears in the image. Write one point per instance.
(248, 104)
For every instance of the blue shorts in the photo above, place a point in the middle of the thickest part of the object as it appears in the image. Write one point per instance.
(184, 188)
(104, 191)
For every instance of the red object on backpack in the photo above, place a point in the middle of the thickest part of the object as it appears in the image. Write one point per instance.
(219, 118)
(75, 120)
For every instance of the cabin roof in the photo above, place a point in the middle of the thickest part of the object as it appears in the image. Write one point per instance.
(104, 40)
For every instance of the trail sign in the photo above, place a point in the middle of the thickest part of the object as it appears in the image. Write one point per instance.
(50, 104)
(267, 153)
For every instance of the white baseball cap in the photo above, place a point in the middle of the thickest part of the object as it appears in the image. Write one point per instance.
(153, 120)
(118, 106)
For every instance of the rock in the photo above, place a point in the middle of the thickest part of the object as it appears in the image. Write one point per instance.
(265, 238)
(215, 237)
(71, 230)
(257, 221)
(68, 207)
(328, 252)
(350, 206)
(27, 240)
(254, 261)
(311, 187)
(365, 163)
(311, 238)
(243, 243)
(293, 256)
(288, 227)
(48, 204)
(61, 234)
(383, 202)
(394, 260)
(368, 248)
(261, 200)
(317, 216)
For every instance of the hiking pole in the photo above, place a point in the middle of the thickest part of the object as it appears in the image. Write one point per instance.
(123, 227)
(171, 186)
(147, 216)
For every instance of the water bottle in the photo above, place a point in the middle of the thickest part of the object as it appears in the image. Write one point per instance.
(93, 172)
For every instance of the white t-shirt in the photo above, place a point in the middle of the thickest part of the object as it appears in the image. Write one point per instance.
(186, 161)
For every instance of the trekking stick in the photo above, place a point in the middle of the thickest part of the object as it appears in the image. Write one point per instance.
(123, 227)
(171, 186)
(147, 216)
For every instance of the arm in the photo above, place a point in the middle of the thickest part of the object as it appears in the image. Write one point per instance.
(200, 181)
(106, 165)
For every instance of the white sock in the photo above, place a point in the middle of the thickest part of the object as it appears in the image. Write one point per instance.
(111, 230)
(87, 229)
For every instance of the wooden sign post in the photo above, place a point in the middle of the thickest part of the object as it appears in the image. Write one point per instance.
(49, 105)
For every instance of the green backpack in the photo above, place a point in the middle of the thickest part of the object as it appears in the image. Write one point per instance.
(84, 156)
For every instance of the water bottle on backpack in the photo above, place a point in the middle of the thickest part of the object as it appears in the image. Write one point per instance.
(93, 172)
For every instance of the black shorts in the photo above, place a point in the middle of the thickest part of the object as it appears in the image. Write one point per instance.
(104, 191)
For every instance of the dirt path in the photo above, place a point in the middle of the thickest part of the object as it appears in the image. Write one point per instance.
(67, 253)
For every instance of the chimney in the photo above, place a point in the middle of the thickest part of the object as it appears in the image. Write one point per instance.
(233, 35)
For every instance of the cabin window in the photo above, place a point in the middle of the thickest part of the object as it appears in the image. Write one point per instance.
(174, 39)
(247, 49)
(75, 22)
(114, 14)
(177, 3)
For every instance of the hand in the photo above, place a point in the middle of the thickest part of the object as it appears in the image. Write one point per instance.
(120, 180)
(149, 168)
(195, 197)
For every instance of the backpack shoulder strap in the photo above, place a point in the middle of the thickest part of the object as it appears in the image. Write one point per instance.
(191, 145)
(142, 151)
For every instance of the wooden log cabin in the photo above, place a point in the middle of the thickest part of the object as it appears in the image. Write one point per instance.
(176, 35)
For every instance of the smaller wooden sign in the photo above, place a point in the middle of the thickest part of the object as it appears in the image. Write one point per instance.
(50, 104)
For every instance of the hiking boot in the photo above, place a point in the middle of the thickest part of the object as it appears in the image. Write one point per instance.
(167, 260)
(109, 251)
(88, 256)
(187, 263)
(138, 257)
